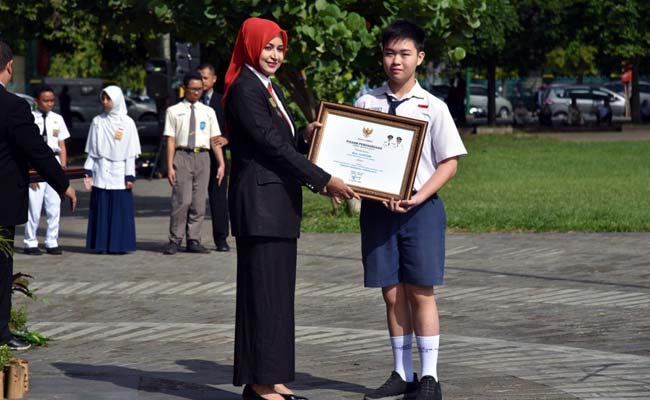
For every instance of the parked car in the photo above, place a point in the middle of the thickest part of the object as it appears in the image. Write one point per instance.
(558, 98)
(85, 104)
(141, 109)
(617, 87)
(478, 100)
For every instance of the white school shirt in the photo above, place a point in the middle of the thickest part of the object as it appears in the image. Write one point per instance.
(441, 141)
(177, 123)
(266, 82)
(110, 175)
(57, 131)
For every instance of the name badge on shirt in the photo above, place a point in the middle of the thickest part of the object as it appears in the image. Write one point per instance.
(119, 133)
(55, 129)
(202, 125)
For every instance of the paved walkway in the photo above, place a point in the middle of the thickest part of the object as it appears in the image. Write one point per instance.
(524, 316)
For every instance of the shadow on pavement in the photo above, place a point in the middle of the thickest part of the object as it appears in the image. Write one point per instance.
(196, 384)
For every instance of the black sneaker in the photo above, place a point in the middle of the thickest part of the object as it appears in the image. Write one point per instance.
(429, 389)
(395, 388)
(193, 246)
(171, 248)
(17, 344)
(32, 251)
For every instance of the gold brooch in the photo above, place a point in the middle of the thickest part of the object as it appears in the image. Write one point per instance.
(273, 103)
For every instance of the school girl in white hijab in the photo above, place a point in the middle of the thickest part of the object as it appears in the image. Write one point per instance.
(112, 148)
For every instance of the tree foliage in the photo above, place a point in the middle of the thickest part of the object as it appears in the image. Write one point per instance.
(333, 49)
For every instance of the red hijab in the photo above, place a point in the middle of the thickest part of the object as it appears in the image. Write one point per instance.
(254, 34)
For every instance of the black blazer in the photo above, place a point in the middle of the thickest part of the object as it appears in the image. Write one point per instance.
(268, 168)
(20, 144)
(215, 103)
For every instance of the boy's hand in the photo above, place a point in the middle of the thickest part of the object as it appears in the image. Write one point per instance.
(402, 206)
(72, 195)
(129, 185)
(171, 176)
(221, 171)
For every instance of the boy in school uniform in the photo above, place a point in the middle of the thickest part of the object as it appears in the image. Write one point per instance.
(402, 241)
(54, 132)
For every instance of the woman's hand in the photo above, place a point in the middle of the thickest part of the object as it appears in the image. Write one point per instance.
(309, 131)
(88, 182)
(218, 141)
(338, 189)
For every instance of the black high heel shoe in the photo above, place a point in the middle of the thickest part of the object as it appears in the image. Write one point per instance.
(250, 394)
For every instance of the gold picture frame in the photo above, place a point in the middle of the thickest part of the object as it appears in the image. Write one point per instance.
(375, 153)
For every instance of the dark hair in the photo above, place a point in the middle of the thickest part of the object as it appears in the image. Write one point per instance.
(43, 88)
(208, 66)
(6, 55)
(190, 76)
(402, 29)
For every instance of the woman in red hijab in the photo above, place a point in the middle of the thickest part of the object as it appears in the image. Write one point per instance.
(265, 197)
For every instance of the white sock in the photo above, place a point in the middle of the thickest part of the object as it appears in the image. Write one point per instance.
(402, 356)
(428, 348)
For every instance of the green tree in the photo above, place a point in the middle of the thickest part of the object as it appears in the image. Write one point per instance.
(487, 47)
(333, 45)
(622, 32)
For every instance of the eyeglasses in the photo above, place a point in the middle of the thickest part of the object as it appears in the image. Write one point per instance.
(196, 90)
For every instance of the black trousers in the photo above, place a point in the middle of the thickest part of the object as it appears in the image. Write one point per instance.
(6, 276)
(265, 328)
(218, 202)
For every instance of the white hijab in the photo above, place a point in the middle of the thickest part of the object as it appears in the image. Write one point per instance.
(102, 138)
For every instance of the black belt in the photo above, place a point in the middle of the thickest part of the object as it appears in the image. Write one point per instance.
(194, 150)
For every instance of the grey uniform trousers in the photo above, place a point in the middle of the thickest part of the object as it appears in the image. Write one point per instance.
(189, 195)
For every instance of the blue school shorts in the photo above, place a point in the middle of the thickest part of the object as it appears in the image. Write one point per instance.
(403, 248)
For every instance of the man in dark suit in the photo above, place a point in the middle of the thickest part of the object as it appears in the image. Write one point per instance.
(216, 192)
(20, 144)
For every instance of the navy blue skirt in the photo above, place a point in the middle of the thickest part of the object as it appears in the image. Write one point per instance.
(111, 221)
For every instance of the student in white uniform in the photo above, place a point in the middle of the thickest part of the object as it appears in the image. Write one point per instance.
(403, 241)
(54, 132)
(112, 146)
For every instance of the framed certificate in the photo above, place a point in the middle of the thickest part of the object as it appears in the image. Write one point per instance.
(375, 153)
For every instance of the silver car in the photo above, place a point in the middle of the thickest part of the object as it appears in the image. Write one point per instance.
(558, 98)
(478, 100)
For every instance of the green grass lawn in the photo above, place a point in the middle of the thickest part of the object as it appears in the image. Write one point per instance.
(519, 183)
